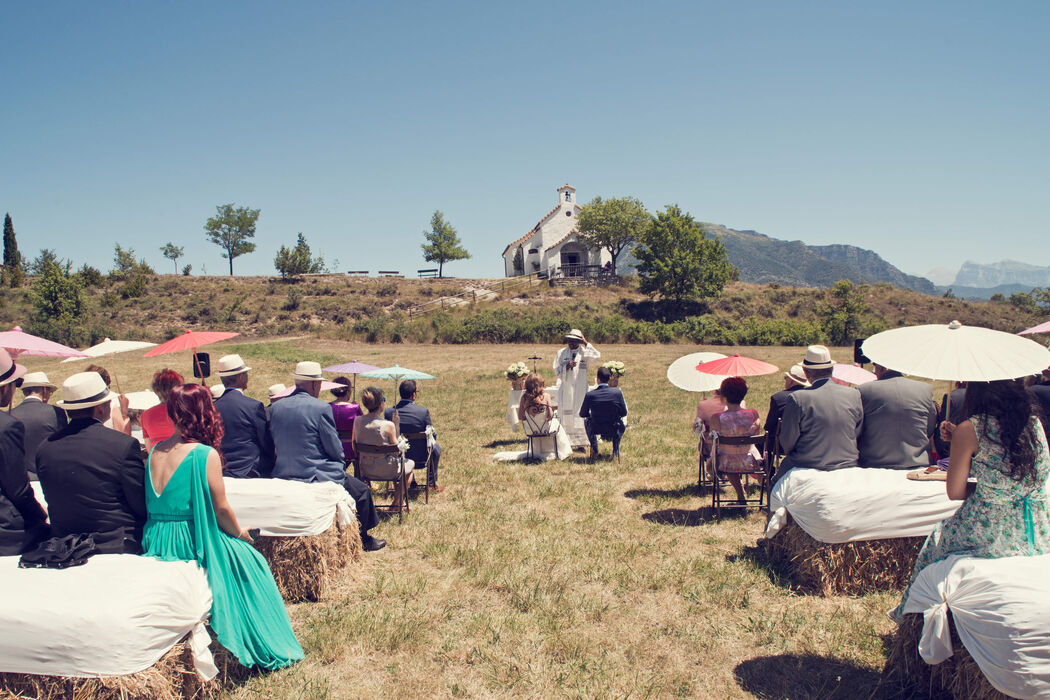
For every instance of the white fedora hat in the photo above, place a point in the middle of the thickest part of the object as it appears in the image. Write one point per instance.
(36, 380)
(817, 357)
(308, 371)
(276, 389)
(230, 365)
(797, 375)
(84, 390)
(9, 369)
(217, 390)
(575, 334)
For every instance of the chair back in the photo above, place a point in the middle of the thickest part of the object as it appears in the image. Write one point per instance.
(538, 425)
(373, 461)
(741, 440)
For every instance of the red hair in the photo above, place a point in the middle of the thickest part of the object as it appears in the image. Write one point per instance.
(191, 410)
(166, 380)
(734, 389)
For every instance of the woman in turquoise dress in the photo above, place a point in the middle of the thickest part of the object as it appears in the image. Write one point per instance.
(1002, 445)
(189, 519)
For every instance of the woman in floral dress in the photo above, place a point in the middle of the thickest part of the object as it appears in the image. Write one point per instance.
(736, 421)
(1002, 445)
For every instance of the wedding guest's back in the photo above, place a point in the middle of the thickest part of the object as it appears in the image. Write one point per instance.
(247, 447)
(344, 411)
(156, 424)
(21, 517)
(39, 417)
(899, 419)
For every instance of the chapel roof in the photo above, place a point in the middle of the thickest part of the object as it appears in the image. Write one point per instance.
(541, 222)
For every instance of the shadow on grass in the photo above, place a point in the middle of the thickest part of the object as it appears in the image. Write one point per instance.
(680, 517)
(798, 676)
(505, 443)
(680, 492)
(760, 558)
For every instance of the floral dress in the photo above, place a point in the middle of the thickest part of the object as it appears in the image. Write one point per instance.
(738, 458)
(1003, 517)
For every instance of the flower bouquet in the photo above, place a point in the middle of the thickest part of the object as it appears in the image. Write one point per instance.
(516, 373)
(618, 370)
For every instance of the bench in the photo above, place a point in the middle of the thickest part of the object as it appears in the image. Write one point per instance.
(357, 272)
(430, 272)
(390, 273)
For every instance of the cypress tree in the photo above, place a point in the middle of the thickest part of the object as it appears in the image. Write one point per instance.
(13, 269)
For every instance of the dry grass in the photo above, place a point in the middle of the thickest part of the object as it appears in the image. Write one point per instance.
(562, 579)
(303, 567)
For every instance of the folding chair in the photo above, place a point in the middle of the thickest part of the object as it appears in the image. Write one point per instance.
(759, 471)
(773, 459)
(412, 438)
(611, 434)
(536, 427)
(383, 472)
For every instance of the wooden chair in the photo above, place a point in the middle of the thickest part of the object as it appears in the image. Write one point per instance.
(759, 471)
(536, 427)
(411, 437)
(384, 473)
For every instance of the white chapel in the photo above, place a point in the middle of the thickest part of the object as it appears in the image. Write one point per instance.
(553, 243)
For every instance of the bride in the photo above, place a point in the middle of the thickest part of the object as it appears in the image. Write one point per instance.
(536, 412)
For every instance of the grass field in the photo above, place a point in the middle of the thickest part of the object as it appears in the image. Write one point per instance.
(564, 579)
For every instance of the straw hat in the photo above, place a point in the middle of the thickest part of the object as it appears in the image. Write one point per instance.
(217, 390)
(9, 370)
(230, 365)
(308, 371)
(575, 334)
(817, 357)
(797, 375)
(84, 390)
(142, 400)
(276, 389)
(37, 380)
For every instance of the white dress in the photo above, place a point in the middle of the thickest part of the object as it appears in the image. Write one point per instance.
(543, 448)
(572, 387)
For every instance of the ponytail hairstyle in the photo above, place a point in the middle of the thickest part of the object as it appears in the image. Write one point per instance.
(191, 409)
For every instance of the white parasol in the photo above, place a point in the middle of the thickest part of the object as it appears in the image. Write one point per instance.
(954, 352)
(111, 347)
(684, 374)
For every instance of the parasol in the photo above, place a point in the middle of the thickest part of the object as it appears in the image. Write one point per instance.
(353, 367)
(111, 347)
(683, 374)
(1041, 328)
(851, 374)
(737, 366)
(18, 342)
(955, 352)
(190, 340)
(397, 373)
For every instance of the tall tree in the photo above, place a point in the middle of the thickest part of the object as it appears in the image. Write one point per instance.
(172, 252)
(677, 259)
(13, 268)
(442, 243)
(232, 229)
(58, 302)
(292, 262)
(612, 224)
(843, 313)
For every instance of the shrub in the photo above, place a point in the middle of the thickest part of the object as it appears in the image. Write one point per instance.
(90, 276)
(294, 299)
(134, 287)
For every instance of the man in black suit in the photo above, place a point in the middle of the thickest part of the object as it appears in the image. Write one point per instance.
(40, 418)
(22, 520)
(93, 476)
(794, 380)
(247, 445)
(602, 411)
(413, 418)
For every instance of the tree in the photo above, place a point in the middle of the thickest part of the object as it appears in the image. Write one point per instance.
(843, 314)
(443, 244)
(41, 262)
(58, 303)
(298, 260)
(677, 260)
(1042, 298)
(172, 252)
(125, 266)
(612, 224)
(14, 271)
(232, 229)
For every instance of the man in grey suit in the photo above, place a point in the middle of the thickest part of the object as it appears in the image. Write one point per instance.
(40, 418)
(899, 419)
(821, 423)
(308, 446)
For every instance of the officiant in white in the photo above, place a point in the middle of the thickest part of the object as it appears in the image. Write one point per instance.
(570, 366)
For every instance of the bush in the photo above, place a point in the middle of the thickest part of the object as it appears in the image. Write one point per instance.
(294, 299)
(134, 287)
(90, 276)
(386, 289)
(187, 270)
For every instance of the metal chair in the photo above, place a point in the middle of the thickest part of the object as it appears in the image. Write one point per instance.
(759, 471)
(610, 433)
(383, 472)
(412, 437)
(536, 427)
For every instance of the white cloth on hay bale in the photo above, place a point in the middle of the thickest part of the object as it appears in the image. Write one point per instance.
(117, 614)
(847, 505)
(283, 508)
(512, 408)
(1001, 613)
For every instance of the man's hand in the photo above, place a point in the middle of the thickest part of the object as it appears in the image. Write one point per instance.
(947, 428)
(124, 403)
(572, 363)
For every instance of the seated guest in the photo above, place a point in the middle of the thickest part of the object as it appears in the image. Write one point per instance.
(217, 390)
(1040, 391)
(92, 476)
(602, 411)
(794, 379)
(705, 408)
(308, 446)
(899, 420)
(821, 423)
(344, 411)
(156, 425)
(950, 408)
(536, 402)
(247, 447)
(118, 415)
(40, 418)
(373, 429)
(735, 421)
(415, 419)
(22, 520)
(274, 393)
(1002, 445)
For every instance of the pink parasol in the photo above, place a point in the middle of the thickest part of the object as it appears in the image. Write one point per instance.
(18, 342)
(737, 366)
(190, 340)
(851, 374)
(1041, 328)
(352, 367)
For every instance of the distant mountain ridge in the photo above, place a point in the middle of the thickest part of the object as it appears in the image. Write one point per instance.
(1004, 272)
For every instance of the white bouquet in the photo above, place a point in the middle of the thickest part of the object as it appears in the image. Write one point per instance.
(616, 367)
(517, 370)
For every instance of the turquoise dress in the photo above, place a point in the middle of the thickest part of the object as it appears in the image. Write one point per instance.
(247, 614)
(1003, 517)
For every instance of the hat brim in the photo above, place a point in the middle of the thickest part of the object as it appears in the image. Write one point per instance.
(16, 375)
(77, 405)
(233, 372)
(800, 382)
(818, 365)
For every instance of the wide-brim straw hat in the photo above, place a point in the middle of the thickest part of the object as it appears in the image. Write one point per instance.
(84, 390)
(37, 380)
(9, 369)
(276, 389)
(230, 365)
(308, 371)
(575, 334)
(797, 375)
(817, 357)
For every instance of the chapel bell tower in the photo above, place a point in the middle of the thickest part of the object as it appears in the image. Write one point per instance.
(567, 195)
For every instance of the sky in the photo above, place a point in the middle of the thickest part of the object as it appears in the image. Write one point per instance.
(918, 130)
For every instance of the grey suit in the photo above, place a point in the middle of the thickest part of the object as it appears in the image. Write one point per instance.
(899, 418)
(41, 421)
(820, 427)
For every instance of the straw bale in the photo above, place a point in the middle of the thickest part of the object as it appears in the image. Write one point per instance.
(906, 675)
(846, 568)
(304, 566)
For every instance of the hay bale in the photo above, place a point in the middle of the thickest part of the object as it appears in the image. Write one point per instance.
(846, 568)
(907, 675)
(303, 566)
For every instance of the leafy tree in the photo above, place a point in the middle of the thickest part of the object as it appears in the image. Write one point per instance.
(41, 262)
(1042, 298)
(293, 262)
(125, 266)
(843, 314)
(1023, 302)
(186, 270)
(442, 243)
(14, 270)
(172, 252)
(90, 276)
(612, 224)
(58, 303)
(232, 229)
(677, 260)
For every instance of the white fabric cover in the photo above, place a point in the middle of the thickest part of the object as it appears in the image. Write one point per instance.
(847, 505)
(512, 408)
(117, 614)
(283, 508)
(1001, 612)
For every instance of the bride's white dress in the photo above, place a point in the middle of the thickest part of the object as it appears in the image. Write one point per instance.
(543, 448)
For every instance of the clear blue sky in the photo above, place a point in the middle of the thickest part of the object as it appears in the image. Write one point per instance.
(920, 130)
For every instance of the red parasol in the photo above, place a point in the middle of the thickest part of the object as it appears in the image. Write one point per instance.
(190, 340)
(737, 366)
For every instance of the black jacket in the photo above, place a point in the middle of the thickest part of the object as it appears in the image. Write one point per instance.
(41, 421)
(93, 480)
(413, 419)
(21, 517)
(247, 445)
(604, 405)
